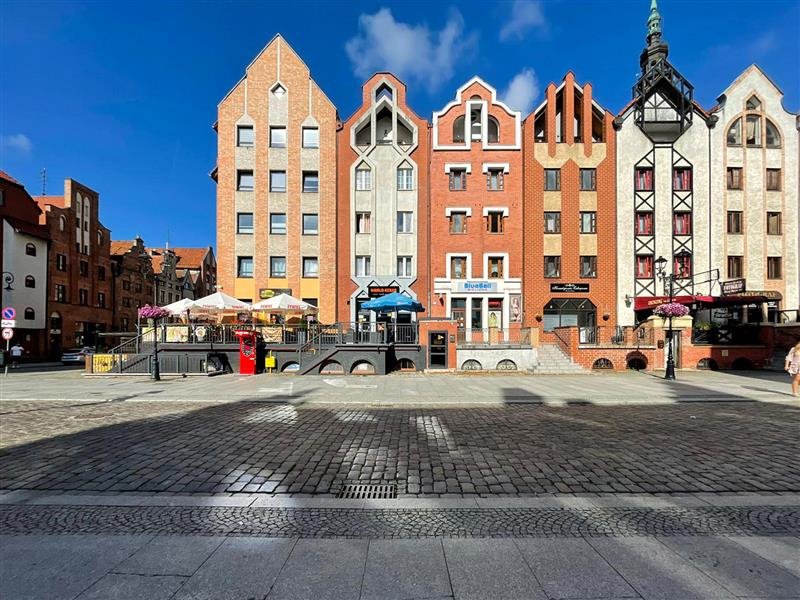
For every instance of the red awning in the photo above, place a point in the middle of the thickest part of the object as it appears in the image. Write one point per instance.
(753, 297)
(650, 302)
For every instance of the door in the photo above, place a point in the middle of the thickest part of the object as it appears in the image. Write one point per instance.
(675, 342)
(437, 350)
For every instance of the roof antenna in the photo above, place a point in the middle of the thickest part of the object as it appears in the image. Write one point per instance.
(167, 239)
(43, 173)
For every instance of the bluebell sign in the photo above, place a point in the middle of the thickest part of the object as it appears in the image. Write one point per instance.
(476, 287)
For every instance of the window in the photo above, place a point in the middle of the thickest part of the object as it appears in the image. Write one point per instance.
(30, 281)
(772, 135)
(277, 223)
(244, 135)
(310, 137)
(404, 220)
(588, 222)
(62, 223)
(84, 268)
(278, 91)
(277, 137)
(644, 223)
(494, 222)
(458, 129)
(245, 266)
(495, 267)
(644, 266)
(494, 180)
(3, 199)
(458, 180)
(137, 287)
(363, 222)
(773, 223)
(125, 323)
(682, 223)
(310, 182)
(405, 178)
(126, 302)
(126, 285)
(552, 180)
(588, 180)
(61, 262)
(363, 266)
(552, 266)
(682, 179)
(101, 273)
(588, 266)
(458, 267)
(244, 223)
(734, 221)
(493, 133)
(30, 314)
(773, 179)
(310, 266)
(61, 293)
(83, 297)
(363, 180)
(30, 249)
(277, 266)
(753, 103)
(735, 133)
(552, 222)
(404, 266)
(735, 267)
(773, 267)
(644, 179)
(682, 266)
(458, 222)
(244, 181)
(101, 299)
(734, 178)
(310, 224)
(753, 130)
(277, 181)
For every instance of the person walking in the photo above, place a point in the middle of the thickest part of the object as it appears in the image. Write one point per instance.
(793, 366)
(16, 355)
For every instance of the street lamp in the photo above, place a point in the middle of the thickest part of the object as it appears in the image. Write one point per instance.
(661, 270)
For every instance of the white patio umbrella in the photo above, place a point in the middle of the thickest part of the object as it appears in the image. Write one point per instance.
(219, 302)
(284, 303)
(180, 307)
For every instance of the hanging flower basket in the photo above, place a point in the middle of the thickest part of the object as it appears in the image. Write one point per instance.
(152, 312)
(671, 309)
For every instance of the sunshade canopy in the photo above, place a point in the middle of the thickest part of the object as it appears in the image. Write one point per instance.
(393, 302)
(179, 307)
(219, 301)
(284, 303)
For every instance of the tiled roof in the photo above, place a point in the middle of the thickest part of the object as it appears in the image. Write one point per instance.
(32, 229)
(43, 201)
(119, 247)
(189, 258)
(7, 177)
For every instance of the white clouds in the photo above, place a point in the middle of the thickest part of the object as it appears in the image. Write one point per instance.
(525, 15)
(17, 144)
(522, 91)
(409, 51)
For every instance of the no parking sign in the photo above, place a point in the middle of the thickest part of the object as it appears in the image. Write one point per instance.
(9, 313)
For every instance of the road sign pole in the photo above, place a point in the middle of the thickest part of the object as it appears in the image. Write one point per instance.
(5, 362)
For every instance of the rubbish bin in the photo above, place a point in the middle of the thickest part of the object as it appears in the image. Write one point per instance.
(249, 360)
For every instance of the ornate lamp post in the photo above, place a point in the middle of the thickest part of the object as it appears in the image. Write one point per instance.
(153, 314)
(669, 310)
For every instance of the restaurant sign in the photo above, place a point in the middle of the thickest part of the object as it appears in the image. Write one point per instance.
(734, 286)
(266, 293)
(376, 291)
(476, 287)
(569, 288)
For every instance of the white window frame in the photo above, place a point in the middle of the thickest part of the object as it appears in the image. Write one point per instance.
(369, 219)
(408, 221)
(407, 179)
(486, 167)
(448, 167)
(366, 261)
(364, 183)
(407, 264)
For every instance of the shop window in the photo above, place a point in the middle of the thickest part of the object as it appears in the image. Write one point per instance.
(735, 133)
(494, 222)
(277, 266)
(588, 266)
(682, 266)
(244, 223)
(277, 223)
(494, 180)
(458, 222)
(458, 130)
(277, 137)
(734, 178)
(552, 222)
(734, 221)
(569, 312)
(311, 224)
(244, 266)
(774, 270)
(310, 137)
(495, 267)
(363, 180)
(493, 133)
(458, 267)
(363, 266)
(753, 130)
(735, 267)
(644, 266)
(588, 222)
(277, 181)
(552, 180)
(310, 266)
(363, 222)
(644, 179)
(245, 136)
(644, 223)
(30, 281)
(682, 179)
(310, 182)
(244, 181)
(458, 180)
(773, 223)
(682, 223)
(773, 179)
(588, 180)
(772, 135)
(552, 266)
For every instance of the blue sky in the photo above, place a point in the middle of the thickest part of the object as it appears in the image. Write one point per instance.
(121, 96)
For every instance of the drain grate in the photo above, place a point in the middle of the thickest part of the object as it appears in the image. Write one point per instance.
(380, 491)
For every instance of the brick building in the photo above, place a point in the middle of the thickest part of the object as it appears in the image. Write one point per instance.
(476, 179)
(382, 201)
(23, 286)
(79, 271)
(132, 270)
(198, 266)
(276, 183)
(168, 285)
(570, 211)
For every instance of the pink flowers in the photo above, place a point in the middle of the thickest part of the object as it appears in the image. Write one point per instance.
(671, 309)
(152, 312)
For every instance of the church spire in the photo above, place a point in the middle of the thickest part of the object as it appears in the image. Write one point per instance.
(653, 23)
(656, 49)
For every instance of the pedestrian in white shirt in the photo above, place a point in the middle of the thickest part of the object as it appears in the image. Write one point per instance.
(16, 354)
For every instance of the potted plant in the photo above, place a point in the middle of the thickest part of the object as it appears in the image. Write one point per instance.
(153, 314)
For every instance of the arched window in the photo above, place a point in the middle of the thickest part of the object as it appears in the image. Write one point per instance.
(735, 133)
(30, 314)
(753, 103)
(62, 223)
(753, 130)
(55, 320)
(494, 130)
(458, 129)
(30, 281)
(772, 135)
(99, 238)
(30, 249)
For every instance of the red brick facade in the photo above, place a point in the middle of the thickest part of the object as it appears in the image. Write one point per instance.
(133, 282)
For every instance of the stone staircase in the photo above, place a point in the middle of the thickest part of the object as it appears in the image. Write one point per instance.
(553, 361)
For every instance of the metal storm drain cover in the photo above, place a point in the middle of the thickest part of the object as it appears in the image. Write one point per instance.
(381, 491)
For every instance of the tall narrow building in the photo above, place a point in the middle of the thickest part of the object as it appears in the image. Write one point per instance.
(383, 201)
(276, 183)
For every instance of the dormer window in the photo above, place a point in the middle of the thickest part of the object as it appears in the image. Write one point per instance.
(753, 103)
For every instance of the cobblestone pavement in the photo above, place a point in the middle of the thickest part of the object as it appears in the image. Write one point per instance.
(253, 447)
(397, 523)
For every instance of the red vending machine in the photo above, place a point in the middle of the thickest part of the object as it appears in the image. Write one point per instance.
(248, 352)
